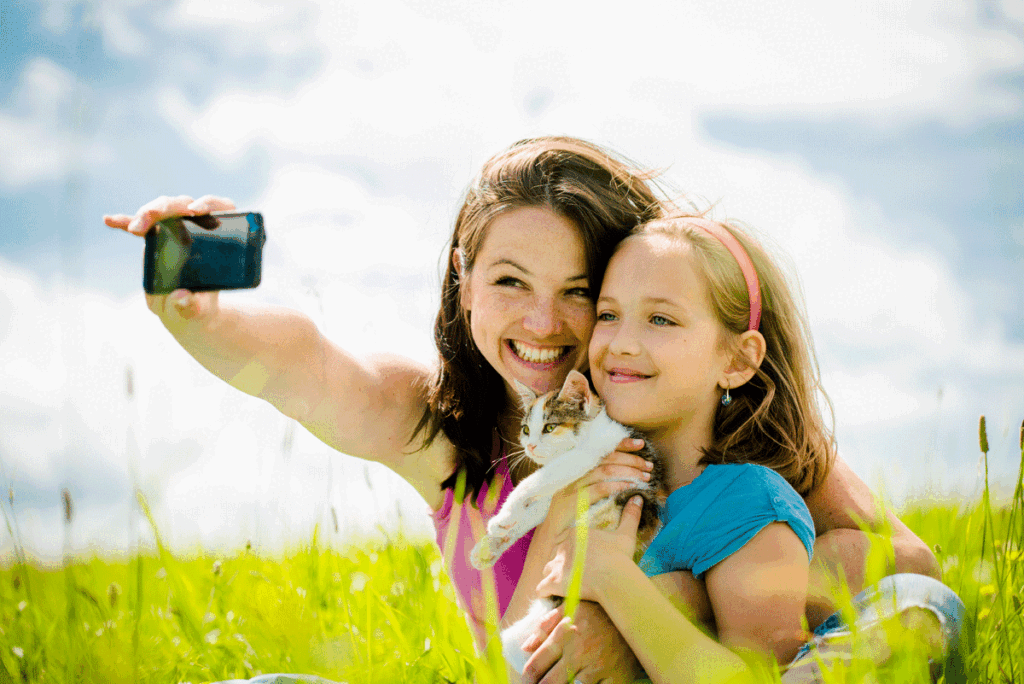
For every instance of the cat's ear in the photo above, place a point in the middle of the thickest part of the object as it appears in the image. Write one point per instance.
(576, 389)
(526, 395)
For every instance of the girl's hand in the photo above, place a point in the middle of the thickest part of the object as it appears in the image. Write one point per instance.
(606, 550)
(618, 471)
(180, 307)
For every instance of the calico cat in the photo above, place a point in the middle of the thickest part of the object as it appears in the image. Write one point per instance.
(568, 433)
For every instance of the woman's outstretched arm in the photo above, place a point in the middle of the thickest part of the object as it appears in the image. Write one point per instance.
(365, 407)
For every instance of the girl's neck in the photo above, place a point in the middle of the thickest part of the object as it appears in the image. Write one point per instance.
(681, 450)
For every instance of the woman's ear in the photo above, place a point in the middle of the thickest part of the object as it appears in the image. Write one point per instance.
(459, 264)
(746, 359)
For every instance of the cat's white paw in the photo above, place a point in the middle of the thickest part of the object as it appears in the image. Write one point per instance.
(486, 552)
(500, 524)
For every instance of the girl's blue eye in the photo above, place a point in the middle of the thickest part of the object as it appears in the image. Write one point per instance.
(605, 316)
(661, 320)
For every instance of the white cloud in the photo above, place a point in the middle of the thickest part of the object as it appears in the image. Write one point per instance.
(39, 139)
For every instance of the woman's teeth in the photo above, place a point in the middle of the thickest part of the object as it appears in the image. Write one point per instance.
(537, 354)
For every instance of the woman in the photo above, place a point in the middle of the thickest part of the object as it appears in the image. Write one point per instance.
(526, 258)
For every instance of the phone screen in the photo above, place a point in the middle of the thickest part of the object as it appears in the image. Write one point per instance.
(221, 251)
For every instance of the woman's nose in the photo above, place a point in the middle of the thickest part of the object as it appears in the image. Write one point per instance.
(543, 318)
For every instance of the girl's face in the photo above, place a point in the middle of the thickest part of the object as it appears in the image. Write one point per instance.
(528, 299)
(656, 354)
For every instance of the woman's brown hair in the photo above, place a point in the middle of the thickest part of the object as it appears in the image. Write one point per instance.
(604, 196)
(774, 419)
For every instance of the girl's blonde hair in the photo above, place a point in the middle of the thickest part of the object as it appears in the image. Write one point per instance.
(775, 419)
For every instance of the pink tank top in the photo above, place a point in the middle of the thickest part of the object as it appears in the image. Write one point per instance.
(458, 532)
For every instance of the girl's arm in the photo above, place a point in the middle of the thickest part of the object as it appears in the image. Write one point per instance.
(756, 593)
(362, 407)
(839, 506)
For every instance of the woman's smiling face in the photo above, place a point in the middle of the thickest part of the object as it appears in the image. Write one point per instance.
(528, 299)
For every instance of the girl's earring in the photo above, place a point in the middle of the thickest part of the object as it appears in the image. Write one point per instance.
(726, 399)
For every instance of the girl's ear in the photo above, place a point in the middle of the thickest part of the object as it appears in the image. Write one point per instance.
(747, 357)
(459, 264)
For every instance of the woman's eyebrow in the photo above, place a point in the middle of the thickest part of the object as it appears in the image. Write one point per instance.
(509, 262)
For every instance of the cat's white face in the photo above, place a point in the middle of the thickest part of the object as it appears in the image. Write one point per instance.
(543, 439)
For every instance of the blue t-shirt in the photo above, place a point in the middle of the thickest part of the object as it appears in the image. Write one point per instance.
(711, 518)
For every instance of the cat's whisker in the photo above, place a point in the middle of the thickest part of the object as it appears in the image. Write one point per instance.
(517, 458)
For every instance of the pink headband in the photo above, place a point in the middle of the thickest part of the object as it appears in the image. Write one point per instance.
(742, 258)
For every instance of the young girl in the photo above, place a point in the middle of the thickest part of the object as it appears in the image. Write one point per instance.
(699, 344)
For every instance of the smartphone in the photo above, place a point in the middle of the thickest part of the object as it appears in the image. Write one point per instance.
(218, 251)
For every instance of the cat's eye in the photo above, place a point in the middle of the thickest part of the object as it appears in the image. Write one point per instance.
(526, 430)
(550, 427)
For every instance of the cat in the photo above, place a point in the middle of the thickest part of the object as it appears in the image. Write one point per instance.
(568, 433)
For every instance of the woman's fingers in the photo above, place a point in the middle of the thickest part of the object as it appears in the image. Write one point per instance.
(157, 210)
(544, 628)
(544, 660)
(164, 207)
(191, 305)
(208, 203)
(117, 220)
(182, 305)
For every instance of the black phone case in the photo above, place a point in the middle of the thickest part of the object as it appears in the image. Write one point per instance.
(189, 253)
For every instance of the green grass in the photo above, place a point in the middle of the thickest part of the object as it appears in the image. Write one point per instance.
(385, 611)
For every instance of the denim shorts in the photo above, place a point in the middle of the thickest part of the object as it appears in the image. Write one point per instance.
(890, 597)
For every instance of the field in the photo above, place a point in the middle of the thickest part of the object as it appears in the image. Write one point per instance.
(385, 611)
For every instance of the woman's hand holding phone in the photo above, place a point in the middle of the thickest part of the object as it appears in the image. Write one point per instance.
(179, 308)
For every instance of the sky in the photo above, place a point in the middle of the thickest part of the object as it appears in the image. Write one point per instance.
(877, 147)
